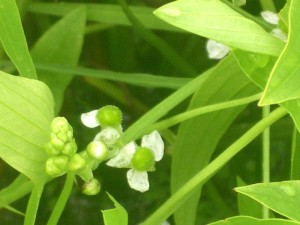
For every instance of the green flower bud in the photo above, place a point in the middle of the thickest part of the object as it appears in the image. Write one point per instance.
(109, 115)
(59, 124)
(143, 159)
(97, 150)
(61, 135)
(56, 165)
(77, 162)
(70, 148)
(50, 150)
(57, 143)
(92, 187)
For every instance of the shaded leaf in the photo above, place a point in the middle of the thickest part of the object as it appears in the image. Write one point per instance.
(61, 45)
(283, 83)
(295, 157)
(116, 216)
(244, 220)
(26, 110)
(215, 20)
(281, 197)
(202, 134)
(13, 38)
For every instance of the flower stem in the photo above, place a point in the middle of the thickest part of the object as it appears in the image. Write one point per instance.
(62, 200)
(200, 178)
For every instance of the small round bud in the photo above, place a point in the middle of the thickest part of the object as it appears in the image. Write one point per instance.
(70, 148)
(143, 159)
(97, 150)
(50, 150)
(61, 135)
(59, 124)
(109, 116)
(56, 165)
(57, 143)
(92, 187)
(76, 163)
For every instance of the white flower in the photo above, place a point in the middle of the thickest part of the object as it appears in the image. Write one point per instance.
(273, 18)
(270, 17)
(138, 180)
(89, 119)
(216, 50)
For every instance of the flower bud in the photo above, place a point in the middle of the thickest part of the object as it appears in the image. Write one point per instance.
(70, 148)
(97, 150)
(57, 143)
(76, 163)
(56, 165)
(109, 116)
(92, 187)
(143, 159)
(59, 124)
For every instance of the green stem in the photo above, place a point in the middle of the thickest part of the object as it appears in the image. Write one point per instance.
(266, 156)
(200, 178)
(33, 203)
(268, 5)
(176, 60)
(202, 110)
(62, 200)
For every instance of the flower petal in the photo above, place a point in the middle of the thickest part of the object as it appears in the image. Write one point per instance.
(270, 17)
(138, 180)
(123, 157)
(89, 119)
(277, 32)
(216, 50)
(108, 135)
(154, 142)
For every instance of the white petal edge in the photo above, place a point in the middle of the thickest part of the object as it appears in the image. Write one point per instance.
(138, 180)
(277, 32)
(108, 135)
(270, 17)
(123, 157)
(89, 119)
(216, 50)
(154, 142)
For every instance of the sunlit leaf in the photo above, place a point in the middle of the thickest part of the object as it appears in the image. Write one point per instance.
(61, 45)
(281, 197)
(13, 39)
(244, 220)
(26, 110)
(203, 133)
(283, 83)
(258, 67)
(215, 20)
(116, 216)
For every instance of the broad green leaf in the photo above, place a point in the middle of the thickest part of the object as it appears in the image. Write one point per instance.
(105, 13)
(283, 15)
(13, 39)
(295, 157)
(258, 67)
(215, 20)
(281, 197)
(284, 79)
(61, 45)
(116, 216)
(244, 220)
(247, 206)
(26, 110)
(198, 137)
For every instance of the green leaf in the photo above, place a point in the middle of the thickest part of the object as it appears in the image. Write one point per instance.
(192, 152)
(26, 110)
(61, 45)
(104, 13)
(258, 67)
(247, 206)
(13, 39)
(116, 216)
(244, 220)
(295, 157)
(215, 20)
(281, 197)
(284, 79)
